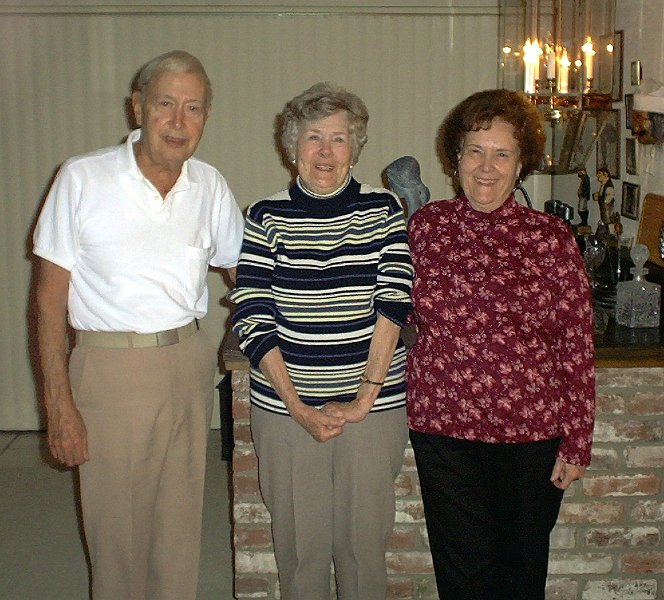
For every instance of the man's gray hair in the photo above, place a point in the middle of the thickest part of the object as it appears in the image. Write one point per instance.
(175, 61)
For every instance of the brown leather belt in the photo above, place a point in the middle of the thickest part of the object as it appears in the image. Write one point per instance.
(119, 339)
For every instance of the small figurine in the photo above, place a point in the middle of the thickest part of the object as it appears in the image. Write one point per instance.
(403, 177)
(604, 196)
(583, 194)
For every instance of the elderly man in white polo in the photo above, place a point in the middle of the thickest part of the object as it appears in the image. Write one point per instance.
(124, 242)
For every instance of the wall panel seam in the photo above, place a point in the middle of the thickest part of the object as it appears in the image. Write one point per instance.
(245, 9)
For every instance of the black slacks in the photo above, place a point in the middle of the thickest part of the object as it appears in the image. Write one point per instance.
(489, 510)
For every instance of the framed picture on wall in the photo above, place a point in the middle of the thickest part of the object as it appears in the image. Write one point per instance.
(631, 164)
(617, 88)
(608, 141)
(636, 72)
(630, 200)
(629, 107)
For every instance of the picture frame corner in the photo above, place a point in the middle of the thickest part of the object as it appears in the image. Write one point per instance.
(630, 202)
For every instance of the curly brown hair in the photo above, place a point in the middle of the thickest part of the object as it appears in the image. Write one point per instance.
(477, 112)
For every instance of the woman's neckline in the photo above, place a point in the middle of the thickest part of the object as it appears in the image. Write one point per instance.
(304, 189)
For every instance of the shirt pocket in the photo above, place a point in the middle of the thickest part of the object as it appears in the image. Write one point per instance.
(196, 260)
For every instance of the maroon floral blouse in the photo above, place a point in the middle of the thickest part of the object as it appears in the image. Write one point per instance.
(504, 348)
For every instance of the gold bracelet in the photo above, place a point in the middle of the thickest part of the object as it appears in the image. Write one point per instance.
(365, 379)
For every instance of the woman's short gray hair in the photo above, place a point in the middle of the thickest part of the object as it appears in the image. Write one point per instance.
(318, 102)
(175, 61)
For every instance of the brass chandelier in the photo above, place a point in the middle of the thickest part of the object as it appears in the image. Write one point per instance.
(567, 57)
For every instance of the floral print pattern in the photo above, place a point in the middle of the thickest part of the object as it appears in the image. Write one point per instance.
(502, 307)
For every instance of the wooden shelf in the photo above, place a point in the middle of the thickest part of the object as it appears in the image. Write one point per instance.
(606, 357)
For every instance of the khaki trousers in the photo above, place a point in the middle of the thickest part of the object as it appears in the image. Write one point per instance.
(147, 412)
(330, 502)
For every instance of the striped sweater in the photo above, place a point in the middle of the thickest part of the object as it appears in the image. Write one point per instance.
(313, 276)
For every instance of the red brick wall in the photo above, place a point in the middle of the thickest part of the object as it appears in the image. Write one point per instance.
(607, 544)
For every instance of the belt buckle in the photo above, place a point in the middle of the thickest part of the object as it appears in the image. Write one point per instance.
(167, 338)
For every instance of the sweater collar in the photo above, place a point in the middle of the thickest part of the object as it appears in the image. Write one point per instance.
(325, 205)
(308, 192)
(506, 211)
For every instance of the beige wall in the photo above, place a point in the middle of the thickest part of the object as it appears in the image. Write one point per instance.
(65, 68)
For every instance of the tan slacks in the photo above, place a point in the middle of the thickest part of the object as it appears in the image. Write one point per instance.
(330, 502)
(147, 412)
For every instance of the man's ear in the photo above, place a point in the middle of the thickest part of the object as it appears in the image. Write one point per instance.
(138, 108)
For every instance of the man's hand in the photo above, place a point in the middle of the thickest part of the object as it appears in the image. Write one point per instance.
(564, 474)
(67, 436)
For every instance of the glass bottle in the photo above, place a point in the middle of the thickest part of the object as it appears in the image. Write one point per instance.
(638, 300)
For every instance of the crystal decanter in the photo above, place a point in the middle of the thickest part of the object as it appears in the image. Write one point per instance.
(638, 300)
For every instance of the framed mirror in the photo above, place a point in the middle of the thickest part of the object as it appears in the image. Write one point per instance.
(610, 66)
(608, 141)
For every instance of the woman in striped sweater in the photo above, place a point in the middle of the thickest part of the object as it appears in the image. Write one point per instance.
(323, 290)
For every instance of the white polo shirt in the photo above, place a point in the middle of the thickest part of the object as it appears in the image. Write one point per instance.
(138, 262)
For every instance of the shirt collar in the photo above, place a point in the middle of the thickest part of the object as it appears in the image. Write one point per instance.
(129, 164)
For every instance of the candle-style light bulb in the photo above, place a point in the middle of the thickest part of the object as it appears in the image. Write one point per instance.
(531, 64)
(588, 54)
(563, 72)
(550, 62)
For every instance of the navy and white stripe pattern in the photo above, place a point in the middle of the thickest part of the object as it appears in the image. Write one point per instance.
(313, 276)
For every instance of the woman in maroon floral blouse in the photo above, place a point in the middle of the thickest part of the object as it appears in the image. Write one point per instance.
(501, 377)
